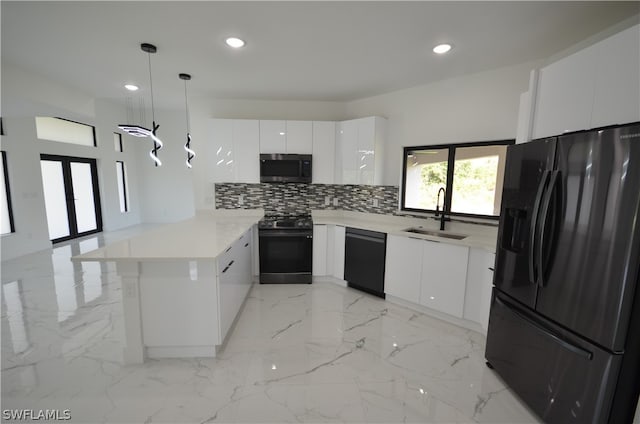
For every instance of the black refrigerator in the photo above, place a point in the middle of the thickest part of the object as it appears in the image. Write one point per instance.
(564, 326)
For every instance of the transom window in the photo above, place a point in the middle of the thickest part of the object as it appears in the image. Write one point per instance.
(461, 179)
(65, 131)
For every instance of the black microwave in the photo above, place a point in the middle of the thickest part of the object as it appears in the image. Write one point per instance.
(285, 168)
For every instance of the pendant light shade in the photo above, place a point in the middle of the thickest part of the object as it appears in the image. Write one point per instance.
(187, 147)
(139, 131)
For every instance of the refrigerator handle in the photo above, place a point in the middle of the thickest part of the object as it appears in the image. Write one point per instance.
(547, 332)
(534, 226)
(545, 213)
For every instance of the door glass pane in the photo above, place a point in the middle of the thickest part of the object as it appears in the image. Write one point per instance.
(123, 194)
(426, 174)
(55, 199)
(82, 182)
(478, 174)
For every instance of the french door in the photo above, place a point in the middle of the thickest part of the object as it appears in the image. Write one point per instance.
(71, 196)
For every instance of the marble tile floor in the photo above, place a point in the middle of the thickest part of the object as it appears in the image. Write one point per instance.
(298, 353)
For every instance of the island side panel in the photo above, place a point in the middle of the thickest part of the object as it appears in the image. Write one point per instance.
(179, 308)
(129, 272)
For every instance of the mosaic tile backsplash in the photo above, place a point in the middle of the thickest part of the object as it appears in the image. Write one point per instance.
(300, 199)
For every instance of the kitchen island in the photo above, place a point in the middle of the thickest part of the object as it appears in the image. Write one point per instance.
(183, 284)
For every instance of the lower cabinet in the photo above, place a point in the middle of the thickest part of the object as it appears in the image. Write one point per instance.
(403, 268)
(444, 277)
(444, 274)
(320, 251)
(338, 251)
(234, 272)
(477, 301)
(328, 250)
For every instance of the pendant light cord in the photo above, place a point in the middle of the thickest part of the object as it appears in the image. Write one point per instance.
(153, 115)
(186, 104)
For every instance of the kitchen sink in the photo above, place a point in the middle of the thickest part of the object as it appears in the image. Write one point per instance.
(435, 233)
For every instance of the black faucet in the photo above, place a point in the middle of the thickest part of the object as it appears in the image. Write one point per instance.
(442, 218)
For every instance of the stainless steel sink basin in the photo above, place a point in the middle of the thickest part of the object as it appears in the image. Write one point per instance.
(434, 233)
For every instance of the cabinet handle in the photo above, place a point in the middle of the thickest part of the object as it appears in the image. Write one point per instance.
(491, 269)
(246, 245)
(225, 270)
(228, 249)
(230, 263)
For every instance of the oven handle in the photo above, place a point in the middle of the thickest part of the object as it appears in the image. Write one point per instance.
(306, 234)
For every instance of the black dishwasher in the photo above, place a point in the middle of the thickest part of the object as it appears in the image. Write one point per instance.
(364, 257)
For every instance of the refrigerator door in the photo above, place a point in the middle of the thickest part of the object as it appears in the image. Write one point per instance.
(590, 261)
(527, 174)
(563, 379)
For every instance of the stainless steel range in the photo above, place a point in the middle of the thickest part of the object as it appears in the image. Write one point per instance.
(286, 249)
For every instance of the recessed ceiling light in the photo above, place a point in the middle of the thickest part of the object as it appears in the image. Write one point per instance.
(131, 87)
(442, 48)
(234, 42)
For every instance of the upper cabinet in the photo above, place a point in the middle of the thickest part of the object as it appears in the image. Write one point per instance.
(273, 137)
(359, 151)
(594, 87)
(278, 136)
(324, 148)
(233, 153)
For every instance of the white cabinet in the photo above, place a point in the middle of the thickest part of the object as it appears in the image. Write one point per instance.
(338, 251)
(403, 268)
(273, 136)
(220, 152)
(277, 136)
(595, 87)
(324, 148)
(565, 95)
(359, 151)
(299, 137)
(617, 84)
(320, 250)
(477, 300)
(233, 151)
(444, 273)
(234, 280)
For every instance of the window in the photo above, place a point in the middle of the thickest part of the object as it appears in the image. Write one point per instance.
(123, 193)
(117, 141)
(471, 175)
(65, 131)
(6, 224)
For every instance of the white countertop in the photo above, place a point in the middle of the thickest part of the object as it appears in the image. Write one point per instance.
(204, 236)
(478, 236)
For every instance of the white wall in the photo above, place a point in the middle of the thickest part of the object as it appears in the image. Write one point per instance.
(166, 192)
(477, 107)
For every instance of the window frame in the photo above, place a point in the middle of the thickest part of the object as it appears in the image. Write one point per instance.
(120, 165)
(450, 171)
(93, 131)
(120, 148)
(7, 188)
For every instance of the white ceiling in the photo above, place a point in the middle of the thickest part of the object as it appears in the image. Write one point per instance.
(321, 51)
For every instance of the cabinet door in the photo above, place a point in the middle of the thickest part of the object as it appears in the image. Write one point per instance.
(338, 252)
(324, 148)
(565, 95)
(220, 151)
(320, 250)
(444, 273)
(273, 137)
(617, 86)
(299, 137)
(365, 162)
(246, 144)
(403, 268)
(347, 150)
(477, 300)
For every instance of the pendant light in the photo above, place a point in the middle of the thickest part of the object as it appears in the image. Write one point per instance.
(139, 131)
(187, 147)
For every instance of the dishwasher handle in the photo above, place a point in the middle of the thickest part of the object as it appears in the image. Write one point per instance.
(367, 238)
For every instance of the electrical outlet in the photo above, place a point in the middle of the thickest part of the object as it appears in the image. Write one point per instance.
(241, 199)
(375, 203)
(327, 200)
(335, 201)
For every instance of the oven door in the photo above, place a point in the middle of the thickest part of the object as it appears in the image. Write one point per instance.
(286, 256)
